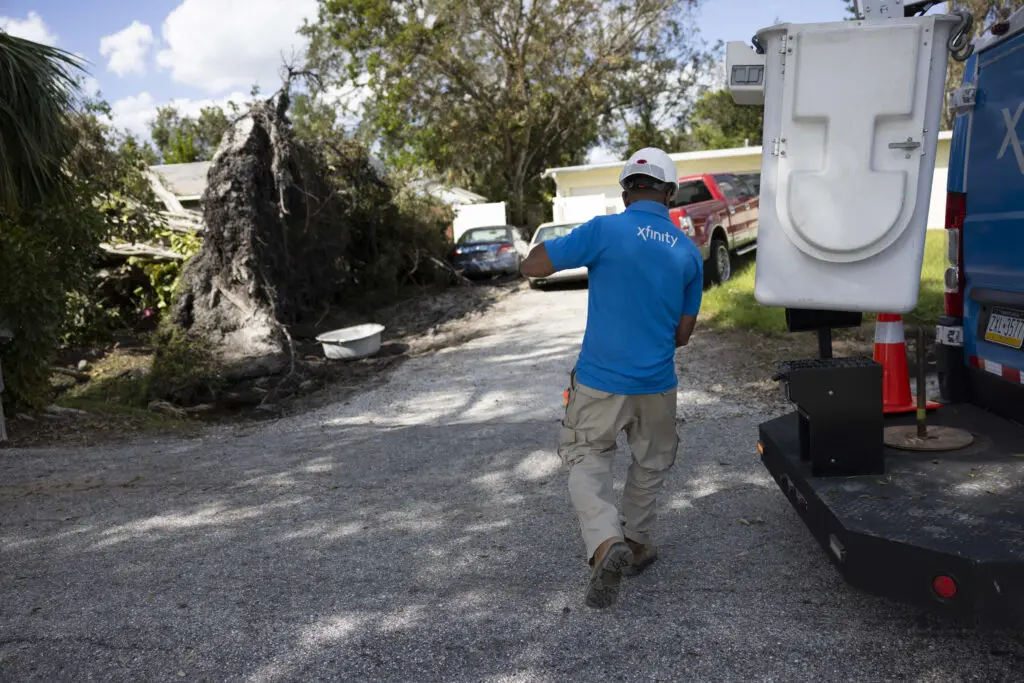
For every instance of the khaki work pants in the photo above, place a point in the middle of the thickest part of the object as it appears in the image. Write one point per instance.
(593, 420)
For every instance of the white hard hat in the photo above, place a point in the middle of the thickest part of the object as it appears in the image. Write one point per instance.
(653, 162)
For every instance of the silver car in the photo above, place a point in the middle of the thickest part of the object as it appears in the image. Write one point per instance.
(550, 231)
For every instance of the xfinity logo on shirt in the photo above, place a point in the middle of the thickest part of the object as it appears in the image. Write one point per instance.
(649, 233)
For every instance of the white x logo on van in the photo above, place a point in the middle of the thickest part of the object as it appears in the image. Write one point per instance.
(1011, 136)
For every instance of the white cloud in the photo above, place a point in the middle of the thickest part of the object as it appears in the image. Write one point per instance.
(30, 28)
(90, 86)
(135, 112)
(348, 100)
(221, 44)
(128, 49)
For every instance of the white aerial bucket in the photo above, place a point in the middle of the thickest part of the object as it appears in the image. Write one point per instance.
(852, 114)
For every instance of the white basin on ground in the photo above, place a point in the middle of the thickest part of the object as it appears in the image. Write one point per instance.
(351, 343)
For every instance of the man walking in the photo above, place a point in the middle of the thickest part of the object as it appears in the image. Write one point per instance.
(646, 280)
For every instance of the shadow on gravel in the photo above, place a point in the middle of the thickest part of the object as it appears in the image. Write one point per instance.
(380, 546)
(426, 553)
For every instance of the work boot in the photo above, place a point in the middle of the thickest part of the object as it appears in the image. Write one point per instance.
(644, 556)
(610, 558)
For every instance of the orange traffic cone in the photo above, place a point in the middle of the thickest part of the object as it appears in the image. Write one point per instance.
(891, 352)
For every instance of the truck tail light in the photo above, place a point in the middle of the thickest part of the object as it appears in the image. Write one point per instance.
(956, 211)
(945, 587)
(686, 223)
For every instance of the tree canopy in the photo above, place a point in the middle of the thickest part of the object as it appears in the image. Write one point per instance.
(490, 93)
(717, 122)
(183, 139)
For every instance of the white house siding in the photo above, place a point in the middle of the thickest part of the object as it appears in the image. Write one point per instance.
(579, 181)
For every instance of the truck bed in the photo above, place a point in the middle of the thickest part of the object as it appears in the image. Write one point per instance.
(958, 514)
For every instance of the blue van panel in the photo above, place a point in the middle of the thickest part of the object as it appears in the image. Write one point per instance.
(993, 235)
(961, 135)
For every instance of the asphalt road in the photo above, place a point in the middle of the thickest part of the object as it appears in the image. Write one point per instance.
(422, 532)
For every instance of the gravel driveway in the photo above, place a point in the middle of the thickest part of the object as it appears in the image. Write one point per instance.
(422, 531)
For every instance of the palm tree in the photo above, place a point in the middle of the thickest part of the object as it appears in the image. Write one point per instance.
(38, 89)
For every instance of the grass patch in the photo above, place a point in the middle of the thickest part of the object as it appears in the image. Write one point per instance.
(732, 306)
(179, 370)
(118, 379)
(116, 397)
(126, 417)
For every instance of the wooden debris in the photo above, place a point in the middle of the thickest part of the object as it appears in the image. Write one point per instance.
(79, 376)
(142, 250)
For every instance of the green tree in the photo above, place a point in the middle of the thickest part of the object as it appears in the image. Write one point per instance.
(489, 93)
(39, 86)
(656, 100)
(163, 127)
(211, 125)
(131, 146)
(719, 123)
(182, 148)
(182, 139)
(312, 119)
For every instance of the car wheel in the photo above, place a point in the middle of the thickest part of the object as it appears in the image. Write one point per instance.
(720, 263)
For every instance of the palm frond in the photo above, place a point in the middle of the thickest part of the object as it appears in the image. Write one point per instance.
(38, 89)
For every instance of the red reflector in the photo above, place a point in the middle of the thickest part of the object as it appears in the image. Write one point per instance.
(944, 587)
(1001, 28)
(956, 212)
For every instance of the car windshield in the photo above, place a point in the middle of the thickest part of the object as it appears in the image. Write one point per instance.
(552, 232)
(477, 235)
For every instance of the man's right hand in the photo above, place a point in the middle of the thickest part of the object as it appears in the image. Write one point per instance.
(685, 329)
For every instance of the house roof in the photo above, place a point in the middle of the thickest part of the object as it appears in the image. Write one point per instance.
(185, 181)
(188, 181)
(446, 193)
(686, 156)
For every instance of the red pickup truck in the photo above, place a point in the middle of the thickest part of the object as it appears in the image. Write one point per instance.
(718, 211)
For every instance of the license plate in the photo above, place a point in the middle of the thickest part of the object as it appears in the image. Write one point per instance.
(1006, 327)
(949, 336)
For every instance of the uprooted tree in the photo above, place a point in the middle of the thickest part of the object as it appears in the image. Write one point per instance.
(293, 227)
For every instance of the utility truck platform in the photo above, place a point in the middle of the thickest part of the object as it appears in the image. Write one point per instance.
(943, 531)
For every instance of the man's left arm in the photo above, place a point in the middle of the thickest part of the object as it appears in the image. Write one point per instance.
(577, 249)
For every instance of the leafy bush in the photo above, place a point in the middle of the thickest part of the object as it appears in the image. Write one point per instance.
(184, 371)
(48, 251)
(163, 276)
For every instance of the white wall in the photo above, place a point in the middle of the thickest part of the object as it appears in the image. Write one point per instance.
(937, 209)
(477, 216)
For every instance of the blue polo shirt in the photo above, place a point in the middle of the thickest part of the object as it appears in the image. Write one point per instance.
(645, 274)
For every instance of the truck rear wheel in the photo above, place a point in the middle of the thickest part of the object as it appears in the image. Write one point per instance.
(719, 265)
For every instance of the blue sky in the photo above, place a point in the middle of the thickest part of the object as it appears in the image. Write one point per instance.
(196, 52)
(740, 19)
